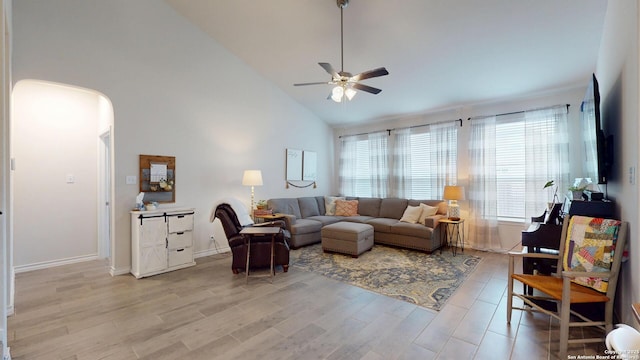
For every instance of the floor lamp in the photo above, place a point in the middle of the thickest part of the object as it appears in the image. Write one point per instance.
(252, 178)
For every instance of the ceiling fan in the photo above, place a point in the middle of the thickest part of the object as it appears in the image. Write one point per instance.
(344, 81)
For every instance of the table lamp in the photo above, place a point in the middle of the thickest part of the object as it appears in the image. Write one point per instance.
(453, 193)
(252, 178)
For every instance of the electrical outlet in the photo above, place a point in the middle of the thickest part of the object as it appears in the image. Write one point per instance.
(131, 180)
(71, 179)
(632, 175)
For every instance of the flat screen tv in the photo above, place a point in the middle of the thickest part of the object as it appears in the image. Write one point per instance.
(597, 147)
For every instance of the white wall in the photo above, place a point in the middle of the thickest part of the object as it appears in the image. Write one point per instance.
(618, 77)
(175, 92)
(510, 233)
(54, 137)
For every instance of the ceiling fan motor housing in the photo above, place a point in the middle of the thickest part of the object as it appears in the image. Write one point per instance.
(342, 3)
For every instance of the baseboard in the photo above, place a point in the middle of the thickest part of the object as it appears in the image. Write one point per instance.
(53, 263)
(209, 252)
(117, 272)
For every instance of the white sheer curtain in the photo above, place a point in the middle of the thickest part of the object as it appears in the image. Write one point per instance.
(401, 185)
(379, 164)
(363, 165)
(424, 160)
(444, 154)
(347, 173)
(483, 192)
(546, 156)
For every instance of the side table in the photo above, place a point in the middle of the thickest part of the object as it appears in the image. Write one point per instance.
(249, 232)
(452, 234)
(271, 217)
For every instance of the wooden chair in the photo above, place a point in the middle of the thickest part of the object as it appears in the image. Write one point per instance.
(563, 288)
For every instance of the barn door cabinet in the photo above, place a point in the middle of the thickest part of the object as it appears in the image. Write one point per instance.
(161, 241)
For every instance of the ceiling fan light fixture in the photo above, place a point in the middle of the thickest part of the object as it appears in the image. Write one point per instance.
(350, 93)
(337, 93)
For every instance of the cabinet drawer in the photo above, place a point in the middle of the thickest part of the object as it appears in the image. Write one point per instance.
(180, 240)
(180, 256)
(178, 223)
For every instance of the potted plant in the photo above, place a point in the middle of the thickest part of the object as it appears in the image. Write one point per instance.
(576, 192)
(555, 198)
(261, 205)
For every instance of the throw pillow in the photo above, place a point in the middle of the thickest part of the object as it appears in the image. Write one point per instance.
(411, 214)
(330, 204)
(426, 212)
(346, 207)
(590, 246)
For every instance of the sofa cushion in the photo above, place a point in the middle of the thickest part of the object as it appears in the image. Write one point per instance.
(330, 204)
(393, 208)
(416, 230)
(306, 226)
(441, 205)
(382, 224)
(411, 214)
(426, 212)
(308, 207)
(285, 206)
(358, 219)
(346, 207)
(325, 219)
(320, 201)
(369, 206)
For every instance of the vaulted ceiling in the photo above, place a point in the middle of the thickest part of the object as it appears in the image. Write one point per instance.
(441, 54)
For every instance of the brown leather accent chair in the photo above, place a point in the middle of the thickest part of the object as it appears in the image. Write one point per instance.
(260, 245)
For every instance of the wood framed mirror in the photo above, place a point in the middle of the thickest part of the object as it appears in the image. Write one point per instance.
(158, 178)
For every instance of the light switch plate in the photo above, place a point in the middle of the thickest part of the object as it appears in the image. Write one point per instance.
(131, 180)
(71, 179)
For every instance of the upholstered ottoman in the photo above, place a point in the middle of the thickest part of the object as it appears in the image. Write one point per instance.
(347, 238)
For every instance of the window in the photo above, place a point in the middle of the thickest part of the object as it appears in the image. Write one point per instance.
(424, 161)
(512, 157)
(510, 168)
(363, 165)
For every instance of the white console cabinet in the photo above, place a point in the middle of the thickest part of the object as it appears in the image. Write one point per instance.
(161, 241)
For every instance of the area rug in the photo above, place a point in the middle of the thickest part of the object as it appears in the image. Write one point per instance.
(423, 279)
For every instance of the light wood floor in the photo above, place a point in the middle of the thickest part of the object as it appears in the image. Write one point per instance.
(205, 312)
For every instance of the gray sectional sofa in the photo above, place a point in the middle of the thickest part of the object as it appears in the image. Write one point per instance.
(305, 217)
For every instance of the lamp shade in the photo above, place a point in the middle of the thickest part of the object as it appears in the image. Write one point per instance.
(452, 192)
(252, 178)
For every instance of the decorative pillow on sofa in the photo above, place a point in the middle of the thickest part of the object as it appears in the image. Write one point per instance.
(426, 212)
(411, 214)
(346, 207)
(330, 204)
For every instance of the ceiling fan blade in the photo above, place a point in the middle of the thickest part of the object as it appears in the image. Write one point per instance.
(328, 68)
(315, 83)
(370, 74)
(366, 88)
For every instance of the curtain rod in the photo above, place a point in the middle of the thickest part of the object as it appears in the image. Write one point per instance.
(516, 112)
(408, 127)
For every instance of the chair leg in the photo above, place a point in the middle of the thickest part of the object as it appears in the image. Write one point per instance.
(565, 308)
(608, 316)
(510, 291)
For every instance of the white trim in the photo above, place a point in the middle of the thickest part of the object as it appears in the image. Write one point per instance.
(117, 272)
(209, 252)
(53, 263)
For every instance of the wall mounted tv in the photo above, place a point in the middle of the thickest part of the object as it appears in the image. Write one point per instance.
(598, 149)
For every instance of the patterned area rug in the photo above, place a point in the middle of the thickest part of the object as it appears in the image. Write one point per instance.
(424, 279)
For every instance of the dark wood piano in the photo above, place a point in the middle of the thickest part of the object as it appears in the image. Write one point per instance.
(543, 236)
